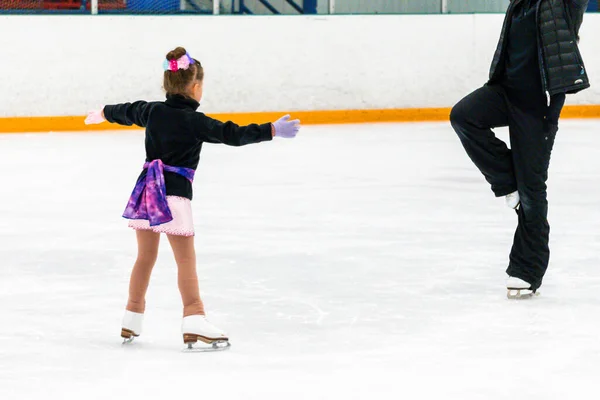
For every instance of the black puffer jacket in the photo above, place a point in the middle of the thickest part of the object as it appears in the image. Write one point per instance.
(561, 65)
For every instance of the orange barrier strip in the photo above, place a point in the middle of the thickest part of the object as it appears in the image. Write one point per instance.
(70, 124)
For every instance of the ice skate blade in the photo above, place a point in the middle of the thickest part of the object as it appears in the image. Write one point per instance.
(521, 294)
(218, 345)
(128, 335)
(191, 341)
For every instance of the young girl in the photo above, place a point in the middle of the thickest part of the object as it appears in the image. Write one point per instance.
(161, 199)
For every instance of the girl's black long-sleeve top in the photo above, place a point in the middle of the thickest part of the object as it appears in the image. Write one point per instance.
(175, 132)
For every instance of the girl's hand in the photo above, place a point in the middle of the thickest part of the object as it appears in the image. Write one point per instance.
(95, 117)
(285, 128)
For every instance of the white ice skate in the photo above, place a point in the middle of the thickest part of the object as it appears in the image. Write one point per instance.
(519, 289)
(131, 326)
(196, 328)
(513, 200)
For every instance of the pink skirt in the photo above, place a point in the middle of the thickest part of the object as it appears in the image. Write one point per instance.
(181, 225)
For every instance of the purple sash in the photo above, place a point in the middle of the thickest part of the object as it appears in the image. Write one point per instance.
(149, 200)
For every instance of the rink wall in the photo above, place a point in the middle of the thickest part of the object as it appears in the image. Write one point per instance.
(323, 69)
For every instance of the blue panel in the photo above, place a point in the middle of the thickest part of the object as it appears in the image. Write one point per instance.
(310, 6)
(153, 6)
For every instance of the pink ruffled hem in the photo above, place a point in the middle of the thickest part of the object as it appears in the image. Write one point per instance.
(181, 225)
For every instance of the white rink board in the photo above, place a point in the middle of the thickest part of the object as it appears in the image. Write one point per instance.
(353, 262)
(66, 65)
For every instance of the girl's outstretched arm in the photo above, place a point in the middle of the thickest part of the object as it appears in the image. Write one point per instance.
(128, 113)
(123, 114)
(213, 131)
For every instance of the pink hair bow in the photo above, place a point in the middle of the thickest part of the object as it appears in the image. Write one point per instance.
(182, 62)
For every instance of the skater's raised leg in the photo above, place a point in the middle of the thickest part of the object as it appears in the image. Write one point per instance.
(473, 119)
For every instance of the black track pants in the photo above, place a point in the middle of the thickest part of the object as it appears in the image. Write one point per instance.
(524, 167)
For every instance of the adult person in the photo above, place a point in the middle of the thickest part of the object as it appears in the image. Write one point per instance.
(537, 62)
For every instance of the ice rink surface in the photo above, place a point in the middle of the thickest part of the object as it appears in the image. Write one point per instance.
(353, 262)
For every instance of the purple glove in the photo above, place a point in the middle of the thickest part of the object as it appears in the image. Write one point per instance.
(285, 128)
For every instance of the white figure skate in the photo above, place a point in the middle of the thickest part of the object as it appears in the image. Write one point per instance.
(519, 289)
(131, 326)
(513, 200)
(196, 328)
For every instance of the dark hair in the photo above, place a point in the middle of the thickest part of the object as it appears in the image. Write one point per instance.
(178, 82)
